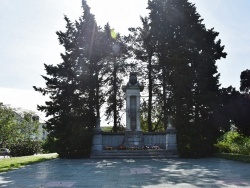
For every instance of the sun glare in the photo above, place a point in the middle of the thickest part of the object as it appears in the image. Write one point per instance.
(118, 13)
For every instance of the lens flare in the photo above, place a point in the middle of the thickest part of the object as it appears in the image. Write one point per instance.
(113, 34)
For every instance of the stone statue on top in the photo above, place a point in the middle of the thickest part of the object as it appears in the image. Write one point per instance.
(133, 83)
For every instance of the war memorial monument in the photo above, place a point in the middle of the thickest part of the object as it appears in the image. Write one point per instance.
(133, 142)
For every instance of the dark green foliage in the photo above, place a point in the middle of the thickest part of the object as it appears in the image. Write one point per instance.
(181, 72)
(70, 148)
(245, 81)
(233, 110)
(76, 145)
(111, 129)
(184, 54)
(222, 117)
(142, 46)
(74, 86)
(114, 69)
(49, 145)
(235, 143)
(25, 148)
(156, 118)
(238, 111)
(17, 126)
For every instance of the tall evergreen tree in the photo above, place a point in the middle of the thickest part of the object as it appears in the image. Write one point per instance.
(115, 69)
(74, 86)
(187, 53)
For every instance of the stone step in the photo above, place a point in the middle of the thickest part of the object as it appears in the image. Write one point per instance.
(124, 154)
(134, 157)
(132, 152)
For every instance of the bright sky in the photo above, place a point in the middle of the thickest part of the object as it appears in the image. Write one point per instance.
(28, 39)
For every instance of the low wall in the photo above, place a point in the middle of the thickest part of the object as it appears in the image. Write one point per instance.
(155, 139)
(150, 139)
(112, 139)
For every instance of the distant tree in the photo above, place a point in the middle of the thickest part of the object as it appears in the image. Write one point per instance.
(17, 126)
(245, 81)
(222, 117)
(239, 110)
(8, 127)
(233, 111)
(156, 115)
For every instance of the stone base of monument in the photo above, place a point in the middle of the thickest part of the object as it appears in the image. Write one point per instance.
(134, 154)
(133, 139)
(97, 146)
(135, 145)
(171, 145)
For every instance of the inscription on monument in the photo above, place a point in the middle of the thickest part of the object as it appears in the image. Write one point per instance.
(133, 112)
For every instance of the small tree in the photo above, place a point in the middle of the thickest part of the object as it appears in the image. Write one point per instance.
(9, 129)
(19, 131)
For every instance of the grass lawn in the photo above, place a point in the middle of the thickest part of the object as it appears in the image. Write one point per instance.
(235, 157)
(7, 164)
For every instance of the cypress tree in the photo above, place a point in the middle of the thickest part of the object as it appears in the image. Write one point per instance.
(74, 86)
(115, 69)
(187, 53)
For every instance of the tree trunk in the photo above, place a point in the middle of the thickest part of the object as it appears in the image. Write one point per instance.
(164, 83)
(97, 96)
(114, 99)
(150, 91)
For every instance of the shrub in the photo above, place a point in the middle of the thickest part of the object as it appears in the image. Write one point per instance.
(77, 145)
(49, 146)
(234, 142)
(25, 148)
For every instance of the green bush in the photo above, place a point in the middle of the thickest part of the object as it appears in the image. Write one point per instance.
(25, 148)
(49, 146)
(234, 142)
(75, 145)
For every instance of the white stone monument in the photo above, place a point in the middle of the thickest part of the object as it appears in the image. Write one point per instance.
(97, 138)
(171, 145)
(133, 134)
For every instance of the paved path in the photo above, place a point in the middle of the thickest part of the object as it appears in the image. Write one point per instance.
(186, 173)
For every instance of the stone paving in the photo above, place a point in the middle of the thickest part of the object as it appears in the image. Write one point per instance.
(145, 173)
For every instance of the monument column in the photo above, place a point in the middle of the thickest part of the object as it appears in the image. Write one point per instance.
(138, 123)
(128, 126)
(133, 134)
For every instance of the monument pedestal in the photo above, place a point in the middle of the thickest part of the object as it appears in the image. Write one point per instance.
(97, 146)
(171, 145)
(133, 139)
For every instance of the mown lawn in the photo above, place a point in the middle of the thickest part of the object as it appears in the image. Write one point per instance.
(7, 164)
(235, 157)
